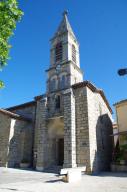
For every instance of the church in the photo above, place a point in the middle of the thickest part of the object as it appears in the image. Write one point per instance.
(68, 126)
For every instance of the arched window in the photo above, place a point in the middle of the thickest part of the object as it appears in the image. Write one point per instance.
(63, 81)
(59, 52)
(53, 85)
(73, 54)
(57, 102)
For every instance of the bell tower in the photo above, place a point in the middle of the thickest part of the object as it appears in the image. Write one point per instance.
(64, 69)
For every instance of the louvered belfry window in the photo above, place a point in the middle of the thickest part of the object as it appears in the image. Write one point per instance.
(59, 51)
(73, 54)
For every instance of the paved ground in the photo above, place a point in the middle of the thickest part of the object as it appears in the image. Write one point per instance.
(30, 181)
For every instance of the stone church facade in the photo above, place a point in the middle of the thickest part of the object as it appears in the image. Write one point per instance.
(69, 126)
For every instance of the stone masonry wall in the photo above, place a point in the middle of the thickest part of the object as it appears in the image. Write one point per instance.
(28, 134)
(15, 141)
(51, 104)
(100, 129)
(69, 129)
(5, 122)
(92, 123)
(20, 144)
(41, 136)
(28, 111)
(37, 126)
(82, 132)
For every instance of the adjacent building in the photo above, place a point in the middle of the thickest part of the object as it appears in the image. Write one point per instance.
(121, 116)
(120, 138)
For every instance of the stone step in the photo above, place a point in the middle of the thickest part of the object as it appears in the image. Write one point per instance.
(53, 169)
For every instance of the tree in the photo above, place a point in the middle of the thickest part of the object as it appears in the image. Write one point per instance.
(10, 14)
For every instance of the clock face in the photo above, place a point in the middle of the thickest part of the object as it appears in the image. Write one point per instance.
(58, 68)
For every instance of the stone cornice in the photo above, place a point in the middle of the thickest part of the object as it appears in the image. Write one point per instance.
(65, 63)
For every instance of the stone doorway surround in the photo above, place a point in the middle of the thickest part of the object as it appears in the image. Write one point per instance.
(56, 137)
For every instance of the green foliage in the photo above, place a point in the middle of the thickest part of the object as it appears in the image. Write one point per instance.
(121, 155)
(1, 84)
(10, 14)
(25, 161)
(123, 148)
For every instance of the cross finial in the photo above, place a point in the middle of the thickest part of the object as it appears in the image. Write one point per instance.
(65, 13)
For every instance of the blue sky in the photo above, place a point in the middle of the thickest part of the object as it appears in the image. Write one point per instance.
(101, 28)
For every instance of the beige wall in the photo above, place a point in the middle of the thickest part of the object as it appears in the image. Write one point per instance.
(121, 112)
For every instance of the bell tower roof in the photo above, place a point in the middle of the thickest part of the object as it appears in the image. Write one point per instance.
(64, 26)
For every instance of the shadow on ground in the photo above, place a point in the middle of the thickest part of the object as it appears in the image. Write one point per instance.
(111, 174)
(54, 181)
